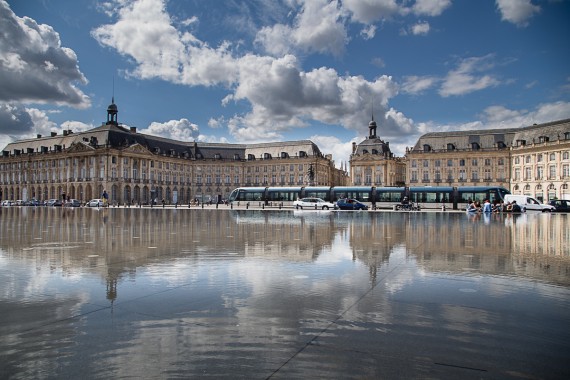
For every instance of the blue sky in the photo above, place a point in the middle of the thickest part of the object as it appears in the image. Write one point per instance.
(252, 71)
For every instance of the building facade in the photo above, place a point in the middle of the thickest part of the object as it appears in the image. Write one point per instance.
(138, 168)
(373, 164)
(531, 160)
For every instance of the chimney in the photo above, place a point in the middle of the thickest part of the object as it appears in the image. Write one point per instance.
(65, 132)
(133, 129)
(39, 136)
(53, 134)
(353, 147)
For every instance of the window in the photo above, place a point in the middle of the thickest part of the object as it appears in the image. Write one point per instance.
(437, 163)
(487, 162)
(539, 172)
(501, 161)
(474, 162)
(552, 157)
(414, 164)
(552, 172)
(565, 171)
(461, 162)
(539, 158)
(517, 160)
(527, 175)
(527, 159)
(565, 155)
(449, 162)
(426, 163)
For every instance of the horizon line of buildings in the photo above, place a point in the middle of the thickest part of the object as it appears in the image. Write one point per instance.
(139, 168)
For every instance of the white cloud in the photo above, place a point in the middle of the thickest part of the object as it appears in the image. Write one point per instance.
(517, 12)
(467, 77)
(421, 28)
(319, 27)
(34, 67)
(341, 150)
(416, 84)
(430, 7)
(369, 11)
(181, 130)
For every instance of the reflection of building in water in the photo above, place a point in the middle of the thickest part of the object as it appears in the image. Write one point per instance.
(501, 244)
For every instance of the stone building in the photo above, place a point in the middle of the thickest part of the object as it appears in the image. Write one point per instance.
(372, 163)
(138, 168)
(531, 160)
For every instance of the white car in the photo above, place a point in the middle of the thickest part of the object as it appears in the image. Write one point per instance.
(312, 204)
(95, 203)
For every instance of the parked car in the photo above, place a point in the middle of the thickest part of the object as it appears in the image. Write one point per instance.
(312, 203)
(527, 203)
(350, 204)
(95, 203)
(53, 202)
(73, 203)
(7, 203)
(560, 205)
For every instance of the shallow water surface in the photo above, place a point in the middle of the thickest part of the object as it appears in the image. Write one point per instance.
(179, 293)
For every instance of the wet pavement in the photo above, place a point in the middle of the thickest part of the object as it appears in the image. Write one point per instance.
(282, 294)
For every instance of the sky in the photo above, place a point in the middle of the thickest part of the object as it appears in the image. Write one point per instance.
(267, 70)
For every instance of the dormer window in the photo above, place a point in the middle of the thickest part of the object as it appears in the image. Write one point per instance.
(475, 146)
(501, 145)
(542, 139)
(267, 156)
(427, 148)
(217, 156)
(374, 151)
(364, 151)
(521, 142)
(566, 135)
(450, 146)
(236, 157)
(302, 153)
(284, 155)
(251, 157)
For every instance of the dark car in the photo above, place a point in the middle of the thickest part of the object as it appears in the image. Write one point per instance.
(350, 204)
(54, 202)
(560, 205)
(73, 203)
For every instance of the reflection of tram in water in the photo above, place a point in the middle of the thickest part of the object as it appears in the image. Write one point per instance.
(384, 197)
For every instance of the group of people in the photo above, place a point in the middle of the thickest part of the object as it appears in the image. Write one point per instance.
(496, 206)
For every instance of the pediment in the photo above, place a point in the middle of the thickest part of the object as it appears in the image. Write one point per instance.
(136, 148)
(79, 146)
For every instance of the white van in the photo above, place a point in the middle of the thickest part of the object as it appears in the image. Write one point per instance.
(528, 203)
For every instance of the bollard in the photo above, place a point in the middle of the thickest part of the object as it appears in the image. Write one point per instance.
(247, 205)
(315, 207)
(442, 207)
(202, 205)
(263, 207)
(217, 205)
(394, 208)
(231, 206)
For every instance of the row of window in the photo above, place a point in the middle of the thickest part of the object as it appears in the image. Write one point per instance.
(540, 158)
(461, 162)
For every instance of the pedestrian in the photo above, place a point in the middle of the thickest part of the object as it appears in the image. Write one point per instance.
(487, 206)
(105, 197)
